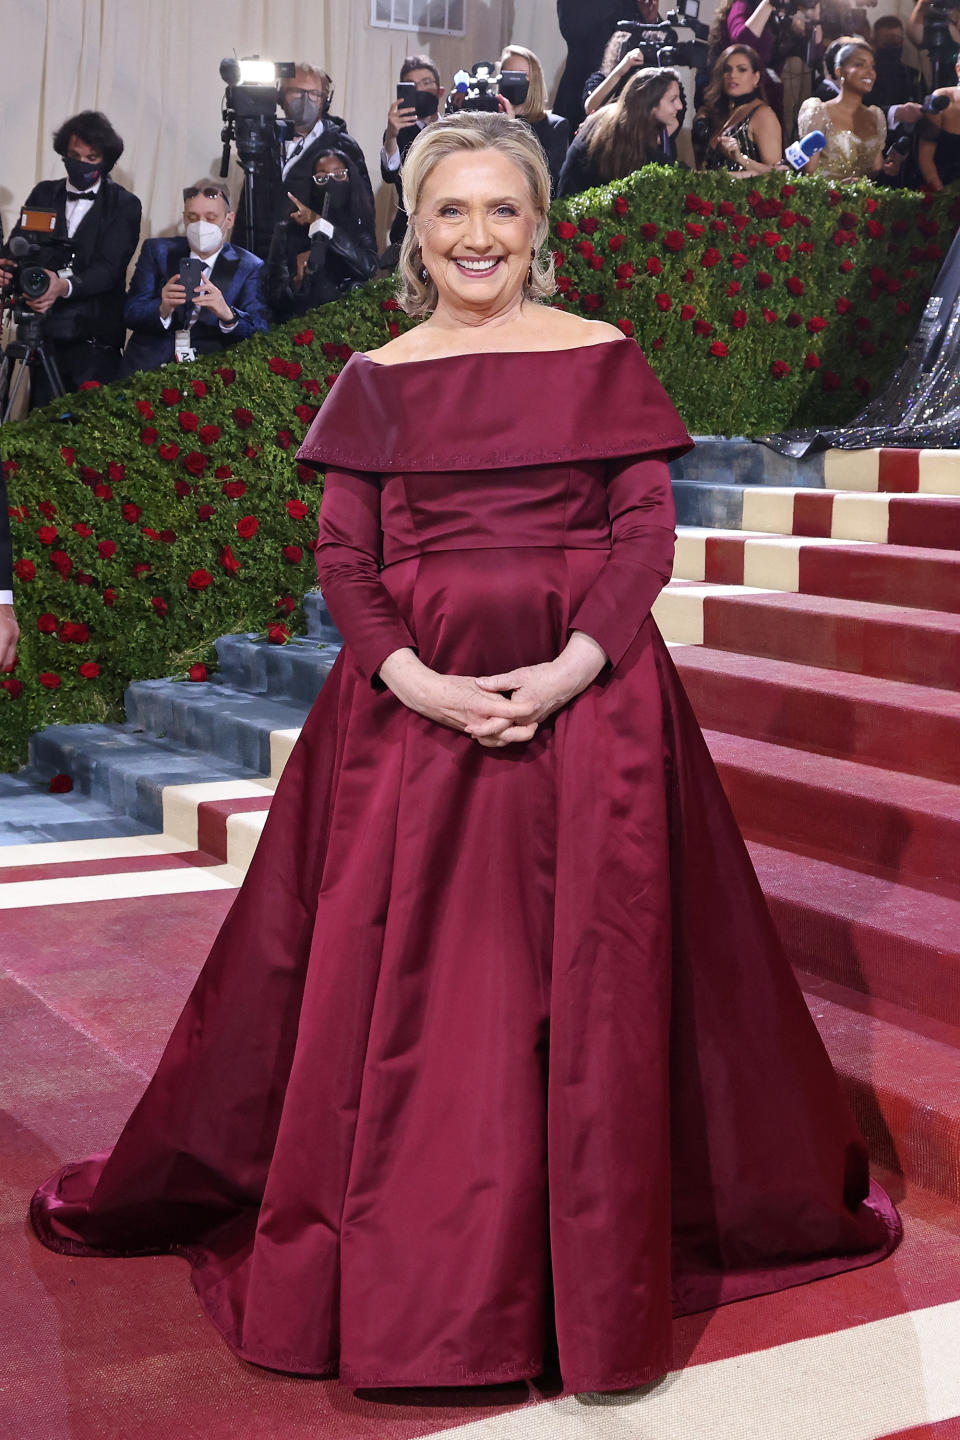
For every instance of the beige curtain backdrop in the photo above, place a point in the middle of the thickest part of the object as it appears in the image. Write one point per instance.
(152, 67)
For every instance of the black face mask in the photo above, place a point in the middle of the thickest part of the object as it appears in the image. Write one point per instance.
(336, 194)
(80, 173)
(426, 103)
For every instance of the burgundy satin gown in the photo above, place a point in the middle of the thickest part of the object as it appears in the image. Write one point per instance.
(496, 1055)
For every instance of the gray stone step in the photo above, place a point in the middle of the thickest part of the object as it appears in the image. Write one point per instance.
(124, 770)
(229, 724)
(717, 506)
(30, 815)
(319, 624)
(739, 461)
(294, 671)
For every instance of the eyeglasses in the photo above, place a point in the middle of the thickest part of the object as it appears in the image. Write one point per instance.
(212, 192)
(294, 91)
(327, 175)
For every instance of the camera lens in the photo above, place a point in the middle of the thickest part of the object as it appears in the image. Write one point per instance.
(34, 281)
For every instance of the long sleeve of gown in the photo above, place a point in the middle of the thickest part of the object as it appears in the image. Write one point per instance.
(348, 558)
(642, 519)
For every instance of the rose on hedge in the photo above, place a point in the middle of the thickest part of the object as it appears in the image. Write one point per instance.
(199, 580)
(247, 526)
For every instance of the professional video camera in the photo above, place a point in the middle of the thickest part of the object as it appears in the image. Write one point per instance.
(250, 122)
(938, 41)
(36, 252)
(661, 45)
(479, 87)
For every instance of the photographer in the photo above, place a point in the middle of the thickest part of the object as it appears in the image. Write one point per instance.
(934, 27)
(553, 131)
(621, 57)
(328, 245)
(637, 130)
(404, 123)
(229, 304)
(744, 133)
(938, 148)
(586, 26)
(82, 308)
(798, 52)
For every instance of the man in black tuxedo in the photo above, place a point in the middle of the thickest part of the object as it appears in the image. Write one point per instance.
(83, 308)
(586, 25)
(404, 124)
(305, 98)
(8, 625)
(229, 305)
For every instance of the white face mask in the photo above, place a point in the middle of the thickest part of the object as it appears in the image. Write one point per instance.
(204, 237)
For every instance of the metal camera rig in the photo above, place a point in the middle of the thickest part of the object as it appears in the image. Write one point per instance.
(662, 46)
(250, 124)
(35, 254)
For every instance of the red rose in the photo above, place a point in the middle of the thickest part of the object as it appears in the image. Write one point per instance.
(662, 301)
(626, 326)
(140, 568)
(770, 238)
(199, 388)
(297, 510)
(596, 262)
(306, 475)
(842, 305)
(82, 529)
(710, 258)
(49, 680)
(89, 385)
(787, 191)
(305, 413)
(863, 322)
(199, 580)
(131, 513)
(620, 205)
(89, 669)
(88, 475)
(565, 231)
(47, 509)
(277, 365)
(286, 603)
(673, 240)
(247, 526)
(867, 348)
(615, 242)
(109, 597)
(222, 472)
(59, 784)
(167, 537)
(170, 396)
(251, 451)
(782, 252)
(787, 219)
(738, 319)
(277, 634)
(188, 421)
(82, 578)
(292, 554)
(718, 349)
(815, 324)
(195, 463)
(61, 561)
(738, 260)
(390, 304)
(303, 337)
(182, 488)
(779, 369)
(769, 315)
(285, 439)
(658, 343)
(106, 548)
(146, 409)
(794, 319)
(734, 288)
(687, 312)
(393, 330)
(584, 248)
(243, 418)
(811, 362)
(591, 302)
(694, 230)
(588, 224)
(702, 327)
(227, 375)
(159, 604)
(197, 672)
(719, 227)
(47, 623)
(795, 285)
(874, 229)
(902, 308)
(169, 451)
(763, 281)
(68, 454)
(313, 387)
(205, 512)
(12, 687)
(25, 570)
(804, 247)
(649, 230)
(654, 266)
(208, 434)
(148, 435)
(229, 561)
(47, 534)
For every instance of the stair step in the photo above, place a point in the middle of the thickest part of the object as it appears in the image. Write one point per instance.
(30, 815)
(920, 647)
(320, 625)
(930, 521)
(902, 1081)
(876, 936)
(907, 575)
(294, 671)
(901, 825)
(909, 728)
(228, 724)
(123, 768)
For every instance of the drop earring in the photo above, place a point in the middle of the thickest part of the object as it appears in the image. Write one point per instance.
(533, 256)
(424, 273)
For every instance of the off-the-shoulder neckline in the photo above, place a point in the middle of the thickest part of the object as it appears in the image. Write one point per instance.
(500, 354)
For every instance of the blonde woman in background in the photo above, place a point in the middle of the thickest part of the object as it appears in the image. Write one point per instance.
(553, 131)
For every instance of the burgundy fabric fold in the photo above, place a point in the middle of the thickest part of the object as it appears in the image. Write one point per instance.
(496, 1056)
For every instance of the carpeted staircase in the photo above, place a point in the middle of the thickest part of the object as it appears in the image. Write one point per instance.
(816, 625)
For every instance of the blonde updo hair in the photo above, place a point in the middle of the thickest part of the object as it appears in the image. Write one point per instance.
(453, 134)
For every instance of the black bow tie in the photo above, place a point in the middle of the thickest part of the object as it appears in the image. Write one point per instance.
(79, 195)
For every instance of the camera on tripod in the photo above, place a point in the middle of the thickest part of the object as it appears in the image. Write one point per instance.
(250, 122)
(480, 87)
(34, 253)
(938, 40)
(662, 46)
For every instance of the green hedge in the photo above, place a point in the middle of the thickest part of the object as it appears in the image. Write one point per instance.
(169, 509)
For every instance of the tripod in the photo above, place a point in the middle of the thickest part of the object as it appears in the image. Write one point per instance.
(29, 349)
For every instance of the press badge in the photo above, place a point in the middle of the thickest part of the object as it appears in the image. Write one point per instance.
(182, 349)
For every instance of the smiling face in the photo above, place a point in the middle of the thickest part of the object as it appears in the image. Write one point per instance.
(476, 224)
(739, 76)
(670, 106)
(858, 72)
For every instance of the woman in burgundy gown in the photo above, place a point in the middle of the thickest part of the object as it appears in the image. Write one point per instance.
(496, 1055)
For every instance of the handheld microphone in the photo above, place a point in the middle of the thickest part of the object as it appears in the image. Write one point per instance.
(803, 150)
(901, 146)
(933, 104)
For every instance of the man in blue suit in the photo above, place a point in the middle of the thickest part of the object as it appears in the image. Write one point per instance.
(229, 305)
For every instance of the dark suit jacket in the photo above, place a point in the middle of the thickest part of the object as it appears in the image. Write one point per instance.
(6, 552)
(405, 139)
(237, 273)
(553, 132)
(104, 244)
(586, 25)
